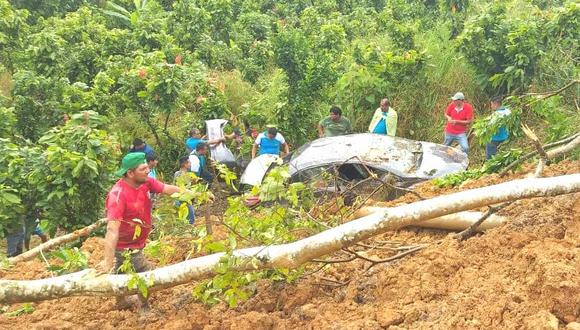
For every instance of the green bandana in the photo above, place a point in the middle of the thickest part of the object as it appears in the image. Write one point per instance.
(131, 161)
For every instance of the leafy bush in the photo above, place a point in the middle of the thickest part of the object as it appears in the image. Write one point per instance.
(70, 261)
(506, 44)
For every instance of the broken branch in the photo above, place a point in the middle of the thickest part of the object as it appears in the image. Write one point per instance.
(551, 154)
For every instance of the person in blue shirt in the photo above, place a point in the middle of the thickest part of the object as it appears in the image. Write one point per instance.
(502, 133)
(270, 142)
(196, 137)
(140, 146)
(198, 161)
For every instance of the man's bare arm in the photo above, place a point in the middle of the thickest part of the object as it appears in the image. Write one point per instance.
(169, 189)
(286, 149)
(254, 149)
(463, 122)
(111, 239)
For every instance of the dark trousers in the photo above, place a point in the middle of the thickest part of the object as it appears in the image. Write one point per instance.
(491, 148)
(138, 260)
(206, 176)
(14, 243)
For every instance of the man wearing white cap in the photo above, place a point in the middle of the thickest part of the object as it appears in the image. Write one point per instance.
(459, 116)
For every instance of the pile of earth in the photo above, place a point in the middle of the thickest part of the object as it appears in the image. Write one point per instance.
(524, 274)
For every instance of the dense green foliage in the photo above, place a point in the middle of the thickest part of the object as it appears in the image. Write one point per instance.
(62, 178)
(152, 69)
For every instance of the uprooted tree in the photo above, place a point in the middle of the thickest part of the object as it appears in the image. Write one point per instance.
(293, 254)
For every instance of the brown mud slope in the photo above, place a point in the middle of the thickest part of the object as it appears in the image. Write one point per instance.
(523, 275)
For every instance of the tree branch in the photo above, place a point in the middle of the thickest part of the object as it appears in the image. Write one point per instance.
(529, 155)
(536, 142)
(473, 228)
(545, 95)
(49, 245)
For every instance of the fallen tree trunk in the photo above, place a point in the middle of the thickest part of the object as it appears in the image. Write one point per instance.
(456, 222)
(289, 255)
(49, 245)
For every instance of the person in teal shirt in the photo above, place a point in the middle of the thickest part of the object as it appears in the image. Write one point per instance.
(501, 135)
(195, 137)
(152, 163)
(198, 160)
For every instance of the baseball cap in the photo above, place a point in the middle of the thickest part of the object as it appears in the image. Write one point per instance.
(130, 161)
(458, 96)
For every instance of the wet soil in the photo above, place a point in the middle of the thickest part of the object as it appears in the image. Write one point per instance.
(522, 275)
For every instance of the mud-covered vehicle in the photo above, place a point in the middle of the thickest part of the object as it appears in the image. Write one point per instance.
(356, 157)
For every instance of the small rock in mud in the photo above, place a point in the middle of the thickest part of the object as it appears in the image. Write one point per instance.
(307, 312)
(387, 317)
(543, 320)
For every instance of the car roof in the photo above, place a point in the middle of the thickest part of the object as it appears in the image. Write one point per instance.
(396, 155)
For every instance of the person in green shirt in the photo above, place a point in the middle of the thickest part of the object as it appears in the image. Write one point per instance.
(335, 124)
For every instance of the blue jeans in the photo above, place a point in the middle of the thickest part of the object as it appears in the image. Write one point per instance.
(491, 148)
(191, 214)
(460, 138)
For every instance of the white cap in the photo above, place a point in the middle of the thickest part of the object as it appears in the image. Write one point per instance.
(458, 96)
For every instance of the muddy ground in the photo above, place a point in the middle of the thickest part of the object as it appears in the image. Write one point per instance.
(522, 275)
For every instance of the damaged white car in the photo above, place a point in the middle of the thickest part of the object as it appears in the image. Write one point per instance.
(354, 157)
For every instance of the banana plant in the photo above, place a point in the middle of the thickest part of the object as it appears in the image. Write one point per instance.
(128, 18)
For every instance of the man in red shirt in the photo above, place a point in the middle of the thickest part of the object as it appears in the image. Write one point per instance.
(128, 208)
(459, 116)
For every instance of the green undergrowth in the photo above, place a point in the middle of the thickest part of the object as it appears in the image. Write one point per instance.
(493, 165)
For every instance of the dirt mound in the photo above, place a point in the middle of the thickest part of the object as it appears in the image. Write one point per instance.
(525, 274)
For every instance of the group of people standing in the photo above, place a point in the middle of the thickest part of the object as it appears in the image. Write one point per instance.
(128, 204)
(459, 115)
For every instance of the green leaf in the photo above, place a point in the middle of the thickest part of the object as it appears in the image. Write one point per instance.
(77, 170)
(137, 232)
(11, 198)
(183, 211)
